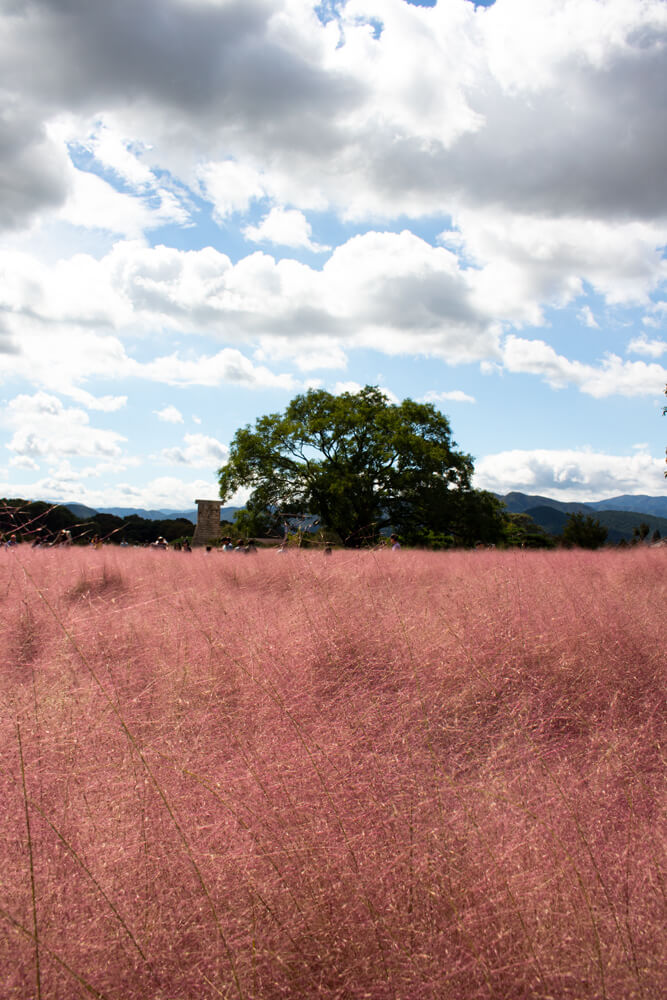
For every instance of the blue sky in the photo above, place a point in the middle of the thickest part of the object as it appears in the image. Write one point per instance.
(207, 206)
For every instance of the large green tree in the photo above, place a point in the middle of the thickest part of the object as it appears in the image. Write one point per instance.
(356, 461)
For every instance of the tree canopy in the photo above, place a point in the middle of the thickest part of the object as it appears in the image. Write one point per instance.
(358, 463)
(584, 532)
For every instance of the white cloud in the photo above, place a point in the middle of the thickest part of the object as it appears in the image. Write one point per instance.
(285, 227)
(355, 387)
(120, 155)
(587, 318)
(170, 414)
(528, 262)
(391, 292)
(93, 203)
(307, 355)
(455, 396)
(350, 386)
(228, 365)
(651, 348)
(570, 474)
(23, 462)
(107, 404)
(198, 451)
(444, 104)
(46, 430)
(230, 186)
(162, 493)
(611, 377)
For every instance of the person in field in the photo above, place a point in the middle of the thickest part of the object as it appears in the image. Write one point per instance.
(394, 542)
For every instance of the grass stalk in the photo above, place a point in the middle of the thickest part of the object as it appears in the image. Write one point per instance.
(33, 891)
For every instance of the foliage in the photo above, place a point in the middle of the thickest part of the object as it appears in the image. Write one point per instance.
(584, 531)
(379, 774)
(521, 531)
(30, 520)
(359, 463)
(465, 516)
(252, 523)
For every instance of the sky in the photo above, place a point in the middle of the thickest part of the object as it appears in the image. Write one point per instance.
(209, 206)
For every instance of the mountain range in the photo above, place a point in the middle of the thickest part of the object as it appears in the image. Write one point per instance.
(619, 515)
(80, 510)
(519, 503)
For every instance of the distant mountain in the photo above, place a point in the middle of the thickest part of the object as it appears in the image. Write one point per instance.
(148, 515)
(620, 523)
(519, 503)
(640, 503)
(80, 510)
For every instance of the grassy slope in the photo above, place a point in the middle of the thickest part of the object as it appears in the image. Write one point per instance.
(372, 775)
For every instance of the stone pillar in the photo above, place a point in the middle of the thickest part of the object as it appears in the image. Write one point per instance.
(208, 522)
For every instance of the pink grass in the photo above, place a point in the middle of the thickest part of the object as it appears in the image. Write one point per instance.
(371, 775)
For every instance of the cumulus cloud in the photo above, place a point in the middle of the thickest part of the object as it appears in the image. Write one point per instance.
(228, 365)
(570, 474)
(161, 493)
(120, 155)
(93, 203)
(391, 292)
(355, 387)
(198, 451)
(170, 414)
(23, 462)
(230, 186)
(285, 227)
(388, 291)
(33, 167)
(46, 430)
(388, 108)
(651, 348)
(587, 318)
(612, 376)
(454, 396)
(528, 262)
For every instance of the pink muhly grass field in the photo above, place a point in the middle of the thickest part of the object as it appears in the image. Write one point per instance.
(402, 775)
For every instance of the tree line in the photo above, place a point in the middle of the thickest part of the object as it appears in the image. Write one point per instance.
(38, 522)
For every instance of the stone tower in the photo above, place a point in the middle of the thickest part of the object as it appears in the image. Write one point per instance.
(208, 522)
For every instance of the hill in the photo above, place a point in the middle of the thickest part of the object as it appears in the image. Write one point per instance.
(620, 524)
(640, 503)
(519, 503)
(81, 511)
